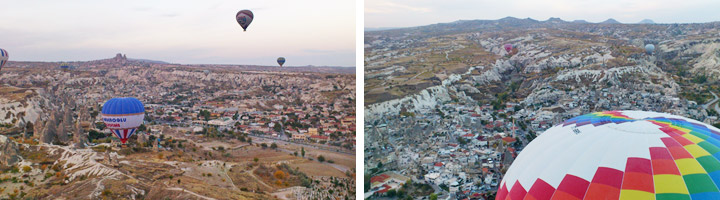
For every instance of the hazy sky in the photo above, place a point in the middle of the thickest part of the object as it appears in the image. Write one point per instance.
(308, 32)
(407, 13)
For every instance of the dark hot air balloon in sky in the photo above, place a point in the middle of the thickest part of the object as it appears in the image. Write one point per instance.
(244, 18)
(281, 61)
(123, 116)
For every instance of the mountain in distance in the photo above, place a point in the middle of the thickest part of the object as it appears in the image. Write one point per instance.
(555, 20)
(610, 21)
(646, 21)
(122, 60)
(580, 21)
(148, 61)
(380, 28)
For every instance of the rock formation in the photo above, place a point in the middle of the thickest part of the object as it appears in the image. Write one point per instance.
(8, 152)
(50, 131)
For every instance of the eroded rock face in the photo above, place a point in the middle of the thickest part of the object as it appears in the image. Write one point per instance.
(50, 131)
(38, 128)
(78, 137)
(8, 152)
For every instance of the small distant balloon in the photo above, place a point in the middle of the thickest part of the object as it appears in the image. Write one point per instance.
(508, 47)
(244, 18)
(649, 48)
(281, 61)
(3, 58)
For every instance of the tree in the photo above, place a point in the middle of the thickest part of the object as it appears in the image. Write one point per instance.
(100, 125)
(26, 168)
(433, 196)
(391, 193)
(302, 151)
(263, 145)
(235, 117)
(142, 127)
(321, 158)
(273, 146)
(256, 159)
(205, 114)
(93, 134)
(279, 174)
(277, 127)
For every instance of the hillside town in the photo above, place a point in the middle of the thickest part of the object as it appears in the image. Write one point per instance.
(258, 131)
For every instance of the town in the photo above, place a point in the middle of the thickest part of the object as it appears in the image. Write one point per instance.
(260, 131)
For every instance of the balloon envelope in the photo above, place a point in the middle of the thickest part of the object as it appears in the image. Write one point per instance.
(281, 61)
(508, 47)
(244, 18)
(618, 155)
(3, 57)
(649, 48)
(122, 116)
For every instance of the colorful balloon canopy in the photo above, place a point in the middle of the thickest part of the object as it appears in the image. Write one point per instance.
(508, 47)
(122, 116)
(281, 61)
(3, 57)
(618, 155)
(649, 48)
(244, 18)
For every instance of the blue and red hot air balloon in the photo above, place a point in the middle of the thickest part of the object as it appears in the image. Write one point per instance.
(123, 116)
(281, 61)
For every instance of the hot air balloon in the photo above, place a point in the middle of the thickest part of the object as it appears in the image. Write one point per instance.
(281, 61)
(508, 47)
(618, 155)
(123, 116)
(3, 57)
(244, 18)
(649, 48)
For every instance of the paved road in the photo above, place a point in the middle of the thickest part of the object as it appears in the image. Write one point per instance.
(717, 108)
(705, 106)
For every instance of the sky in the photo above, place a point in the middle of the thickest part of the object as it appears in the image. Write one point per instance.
(308, 32)
(409, 13)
